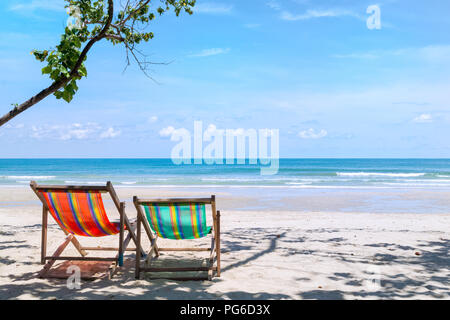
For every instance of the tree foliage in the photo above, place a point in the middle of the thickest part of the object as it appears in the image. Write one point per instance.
(128, 27)
(97, 20)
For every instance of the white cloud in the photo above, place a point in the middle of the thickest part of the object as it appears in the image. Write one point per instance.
(75, 131)
(312, 134)
(208, 133)
(152, 119)
(171, 133)
(431, 53)
(273, 5)
(166, 132)
(435, 53)
(313, 14)
(213, 8)
(110, 133)
(49, 5)
(78, 133)
(211, 130)
(210, 52)
(423, 118)
(14, 126)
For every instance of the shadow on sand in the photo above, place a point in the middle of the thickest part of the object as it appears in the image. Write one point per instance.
(249, 245)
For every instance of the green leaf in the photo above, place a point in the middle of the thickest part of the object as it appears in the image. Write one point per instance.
(67, 96)
(47, 70)
(60, 61)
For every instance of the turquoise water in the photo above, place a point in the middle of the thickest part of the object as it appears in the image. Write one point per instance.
(293, 173)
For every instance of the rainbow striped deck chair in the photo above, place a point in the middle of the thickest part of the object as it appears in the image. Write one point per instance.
(177, 219)
(79, 211)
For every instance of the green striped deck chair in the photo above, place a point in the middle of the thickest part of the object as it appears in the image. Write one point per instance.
(79, 211)
(177, 219)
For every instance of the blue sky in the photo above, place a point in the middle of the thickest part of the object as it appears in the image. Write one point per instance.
(312, 69)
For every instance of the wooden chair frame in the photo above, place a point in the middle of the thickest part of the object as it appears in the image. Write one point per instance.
(214, 258)
(117, 261)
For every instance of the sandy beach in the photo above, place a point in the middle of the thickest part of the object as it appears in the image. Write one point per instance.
(267, 253)
(319, 126)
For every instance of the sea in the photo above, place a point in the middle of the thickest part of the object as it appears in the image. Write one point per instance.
(292, 173)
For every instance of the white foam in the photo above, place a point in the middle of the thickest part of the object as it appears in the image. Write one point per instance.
(297, 183)
(261, 179)
(418, 184)
(229, 179)
(377, 174)
(84, 182)
(28, 177)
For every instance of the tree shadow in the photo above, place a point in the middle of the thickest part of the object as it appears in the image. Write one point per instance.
(241, 247)
(19, 244)
(272, 247)
(125, 286)
(428, 281)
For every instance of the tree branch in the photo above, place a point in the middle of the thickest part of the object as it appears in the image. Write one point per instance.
(122, 23)
(62, 82)
(65, 65)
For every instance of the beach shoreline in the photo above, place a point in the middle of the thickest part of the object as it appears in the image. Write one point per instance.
(306, 252)
(245, 198)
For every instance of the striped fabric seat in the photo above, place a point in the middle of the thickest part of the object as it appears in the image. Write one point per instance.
(177, 221)
(80, 213)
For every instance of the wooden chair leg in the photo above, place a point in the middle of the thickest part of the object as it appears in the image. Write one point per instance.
(126, 243)
(218, 243)
(121, 236)
(211, 259)
(44, 234)
(131, 231)
(144, 222)
(138, 248)
(77, 245)
(153, 239)
(152, 251)
(57, 253)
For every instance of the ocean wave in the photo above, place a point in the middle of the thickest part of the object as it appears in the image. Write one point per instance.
(377, 174)
(207, 186)
(297, 183)
(229, 179)
(76, 182)
(418, 185)
(259, 179)
(27, 177)
(423, 180)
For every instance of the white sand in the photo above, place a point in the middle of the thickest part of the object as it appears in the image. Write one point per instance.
(266, 255)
